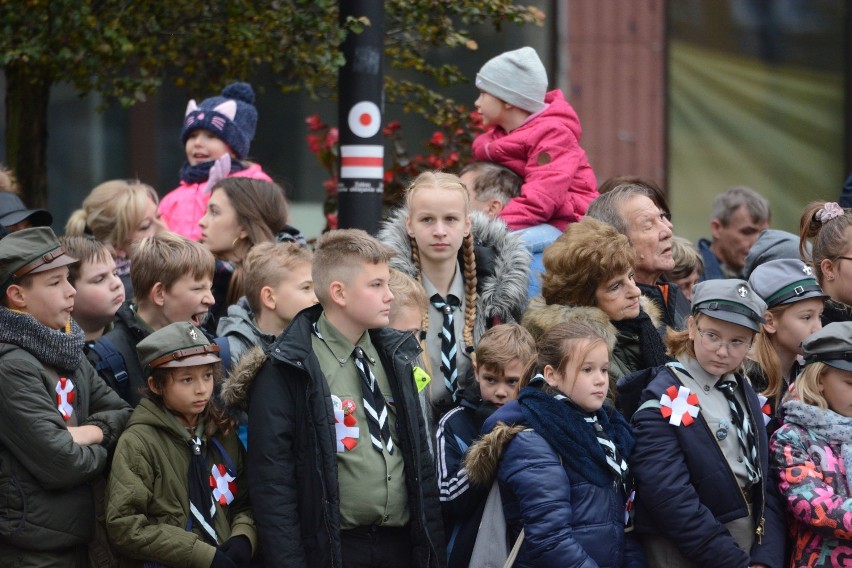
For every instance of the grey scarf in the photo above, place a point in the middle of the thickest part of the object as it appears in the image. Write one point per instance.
(825, 424)
(52, 347)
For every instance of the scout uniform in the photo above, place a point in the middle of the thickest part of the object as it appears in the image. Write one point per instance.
(48, 483)
(165, 475)
(701, 455)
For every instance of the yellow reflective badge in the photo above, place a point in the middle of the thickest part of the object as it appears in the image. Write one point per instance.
(421, 378)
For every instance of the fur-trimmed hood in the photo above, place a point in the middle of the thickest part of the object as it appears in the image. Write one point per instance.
(236, 387)
(539, 317)
(502, 269)
(484, 455)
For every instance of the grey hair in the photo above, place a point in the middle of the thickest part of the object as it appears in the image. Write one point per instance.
(727, 202)
(607, 206)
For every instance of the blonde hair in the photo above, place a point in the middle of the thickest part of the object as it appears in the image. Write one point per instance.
(564, 343)
(829, 237)
(112, 212)
(807, 385)
(267, 264)
(451, 182)
(166, 257)
(84, 249)
(504, 343)
(687, 259)
(340, 254)
(407, 293)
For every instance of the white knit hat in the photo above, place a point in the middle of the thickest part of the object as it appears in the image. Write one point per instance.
(517, 77)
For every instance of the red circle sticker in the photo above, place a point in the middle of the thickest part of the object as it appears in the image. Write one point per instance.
(364, 119)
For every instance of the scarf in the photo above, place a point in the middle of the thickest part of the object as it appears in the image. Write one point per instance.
(562, 425)
(201, 172)
(652, 352)
(52, 347)
(826, 424)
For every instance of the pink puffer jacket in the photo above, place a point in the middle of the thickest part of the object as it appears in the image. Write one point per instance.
(185, 205)
(545, 151)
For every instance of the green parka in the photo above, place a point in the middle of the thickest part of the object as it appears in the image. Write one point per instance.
(148, 496)
(46, 499)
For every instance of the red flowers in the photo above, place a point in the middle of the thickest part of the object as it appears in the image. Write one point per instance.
(448, 148)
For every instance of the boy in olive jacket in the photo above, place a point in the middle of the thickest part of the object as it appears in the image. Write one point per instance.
(339, 468)
(58, 419)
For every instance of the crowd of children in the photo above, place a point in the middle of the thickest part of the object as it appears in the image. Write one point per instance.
(491, 380)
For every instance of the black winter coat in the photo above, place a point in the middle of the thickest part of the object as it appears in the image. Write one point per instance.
(292, 465)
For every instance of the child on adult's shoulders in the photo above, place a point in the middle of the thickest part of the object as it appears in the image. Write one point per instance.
(536, 134)
(216, 136)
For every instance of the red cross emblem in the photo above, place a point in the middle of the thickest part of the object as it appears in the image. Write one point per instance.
(65, 397)
(223, 484)
(679, 405)
(345, 424)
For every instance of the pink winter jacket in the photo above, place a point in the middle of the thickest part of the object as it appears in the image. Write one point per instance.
(184, 206)
(545, 151)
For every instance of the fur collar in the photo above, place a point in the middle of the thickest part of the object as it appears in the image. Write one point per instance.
(539, 317)
(502, 284)
(236, 387)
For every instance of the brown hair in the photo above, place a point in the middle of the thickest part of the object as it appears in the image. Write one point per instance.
(493, 181)
(267, 264)
(112, 212)
(166, 257)
(504, 343)
(468, 261)
(213, 415)
(84, 249)
(829, 237)
(340, 254)
(687, 259)
(261, 211)
(764, 354)
(561, 345)
(586, 255)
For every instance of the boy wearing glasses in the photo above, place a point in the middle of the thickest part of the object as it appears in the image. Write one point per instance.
(701, 454)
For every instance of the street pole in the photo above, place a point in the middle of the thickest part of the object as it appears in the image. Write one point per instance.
(361, 101)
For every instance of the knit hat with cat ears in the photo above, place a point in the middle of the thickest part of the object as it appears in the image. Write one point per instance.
(231, 117)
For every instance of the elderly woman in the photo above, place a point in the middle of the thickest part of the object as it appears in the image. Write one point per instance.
(589, 276)
(634, 211)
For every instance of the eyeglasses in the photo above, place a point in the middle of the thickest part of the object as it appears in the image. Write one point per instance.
(713, 342)
(843, 257)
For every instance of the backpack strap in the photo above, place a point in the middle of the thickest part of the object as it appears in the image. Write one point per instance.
(224, 353)
(110, 359)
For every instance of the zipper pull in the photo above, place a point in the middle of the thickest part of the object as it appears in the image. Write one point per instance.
(759, 530)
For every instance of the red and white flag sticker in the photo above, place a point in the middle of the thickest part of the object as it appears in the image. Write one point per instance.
(362, 162)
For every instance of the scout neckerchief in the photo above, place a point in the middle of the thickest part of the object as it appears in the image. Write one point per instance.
(374, 401)
(449, 346)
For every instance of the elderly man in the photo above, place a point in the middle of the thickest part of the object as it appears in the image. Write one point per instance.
(739, 215)
(631, 209)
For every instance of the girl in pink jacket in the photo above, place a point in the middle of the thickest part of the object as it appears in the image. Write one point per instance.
(536, 134)
(216, 136)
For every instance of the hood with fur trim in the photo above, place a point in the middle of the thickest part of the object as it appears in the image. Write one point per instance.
(540, 316)
(502, 271)
(236, 387)
(484, 455)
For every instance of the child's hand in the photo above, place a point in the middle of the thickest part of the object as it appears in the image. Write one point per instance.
(237, 549)
(88, 435)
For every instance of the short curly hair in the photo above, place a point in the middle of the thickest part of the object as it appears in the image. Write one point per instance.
(589, 253)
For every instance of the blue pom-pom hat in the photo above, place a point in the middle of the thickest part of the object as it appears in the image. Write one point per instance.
(231, 117)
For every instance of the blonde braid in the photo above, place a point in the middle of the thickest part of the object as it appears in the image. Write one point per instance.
(415, 256)
(470, 294)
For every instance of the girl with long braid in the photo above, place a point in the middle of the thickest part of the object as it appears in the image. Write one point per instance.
(475, 274)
